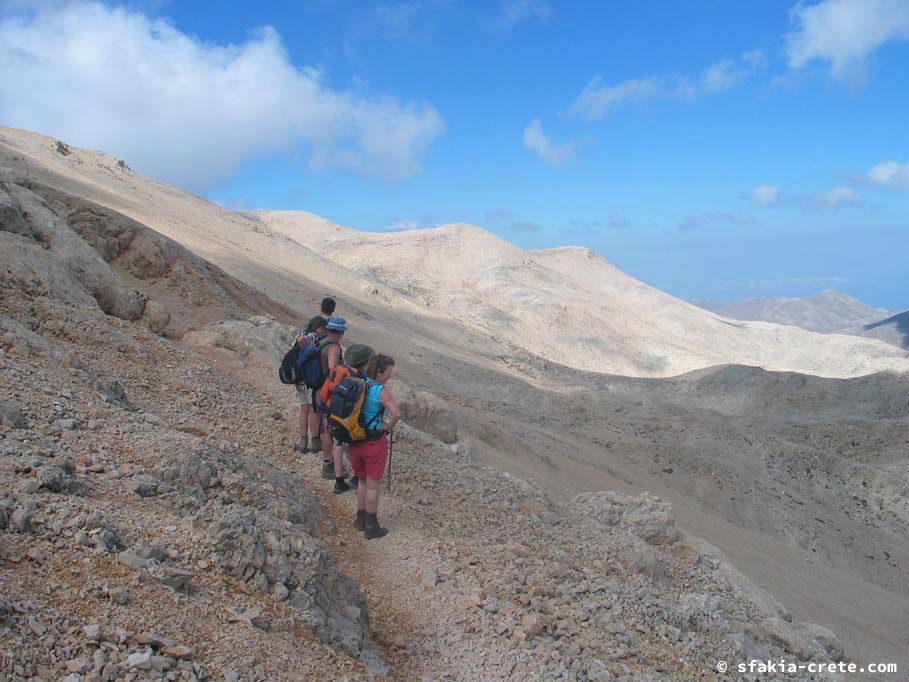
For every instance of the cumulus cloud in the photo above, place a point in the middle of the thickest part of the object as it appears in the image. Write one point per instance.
(555, 155)
(838, 197)
(190, 111)
(845, 32)
(599, 98)
(766, 195)
(694, 222)
(890, 174)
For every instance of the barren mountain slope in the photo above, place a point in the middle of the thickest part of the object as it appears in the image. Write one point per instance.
(155, 524)
(777, 488)
(571, 306)
(825, 312)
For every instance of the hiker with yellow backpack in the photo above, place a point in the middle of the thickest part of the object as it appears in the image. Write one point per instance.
(362, 414)
(355, 360)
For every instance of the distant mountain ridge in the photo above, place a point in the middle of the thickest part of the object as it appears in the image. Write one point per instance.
(825, 312)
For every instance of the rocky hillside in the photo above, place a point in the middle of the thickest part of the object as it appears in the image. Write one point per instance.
(155, 523)
(569, 305)
(825, 312)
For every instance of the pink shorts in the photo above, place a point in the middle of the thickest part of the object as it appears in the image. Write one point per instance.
(368, 457)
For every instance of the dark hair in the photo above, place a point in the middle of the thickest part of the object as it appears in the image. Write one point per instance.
(328, 306)
(379, 364)
(315, 323)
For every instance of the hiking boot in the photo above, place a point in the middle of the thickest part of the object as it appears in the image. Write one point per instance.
(341, 486)
(355, 483)
(328, 469)
(360, 521)
(373, 530)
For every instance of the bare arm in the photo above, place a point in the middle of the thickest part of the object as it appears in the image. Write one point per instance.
(332, 355)
(392, 412)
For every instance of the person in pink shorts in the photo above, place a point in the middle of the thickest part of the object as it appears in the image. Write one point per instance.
(367, 457)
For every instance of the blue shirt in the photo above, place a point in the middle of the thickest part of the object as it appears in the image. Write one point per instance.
(373, 412)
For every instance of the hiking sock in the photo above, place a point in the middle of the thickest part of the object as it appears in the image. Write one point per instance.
(372, 519)
(339, 479)
(360, 521)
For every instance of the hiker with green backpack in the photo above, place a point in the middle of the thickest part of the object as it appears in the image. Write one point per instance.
(366, 428)
(356, 357)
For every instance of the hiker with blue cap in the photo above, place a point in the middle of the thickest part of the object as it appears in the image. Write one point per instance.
(330, 356)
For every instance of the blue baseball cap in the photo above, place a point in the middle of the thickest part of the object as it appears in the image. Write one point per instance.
(337, 324)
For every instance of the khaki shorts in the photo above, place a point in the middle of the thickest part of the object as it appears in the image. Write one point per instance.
(304, 394)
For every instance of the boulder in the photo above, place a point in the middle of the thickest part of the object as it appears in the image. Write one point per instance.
(10, 415)
(425, 411)
(259, 335)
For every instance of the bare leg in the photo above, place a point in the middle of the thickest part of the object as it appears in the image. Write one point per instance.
(361, 497)
(313, 423)
(337, 454)
(305, 420)
(371, 494)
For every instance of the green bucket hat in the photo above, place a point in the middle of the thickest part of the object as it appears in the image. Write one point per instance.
(358, 355)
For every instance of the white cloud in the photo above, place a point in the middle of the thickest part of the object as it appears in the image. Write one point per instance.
(890, 174)
(766, 195)
(845, 32)
(555, 155)
(597, 98)
(839, 197)
(190, 111)
(515, 12)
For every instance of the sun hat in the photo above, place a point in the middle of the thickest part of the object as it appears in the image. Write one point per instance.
(337, 324)
(358, 354)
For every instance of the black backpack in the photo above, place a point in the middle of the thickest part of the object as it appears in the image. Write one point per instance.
(290, 372)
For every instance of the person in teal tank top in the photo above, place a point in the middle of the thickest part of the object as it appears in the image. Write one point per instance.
(367, 457)
(373, 412)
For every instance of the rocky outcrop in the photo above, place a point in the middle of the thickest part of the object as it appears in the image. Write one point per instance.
(425, 411)
(38, 249)
(258, 336)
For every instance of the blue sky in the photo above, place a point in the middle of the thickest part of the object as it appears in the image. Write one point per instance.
(712, 149)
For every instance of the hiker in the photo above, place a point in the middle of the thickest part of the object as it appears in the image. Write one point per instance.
(380, 413)
(330, 356)
(309, 419)
(355, 360)
(328, 307)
